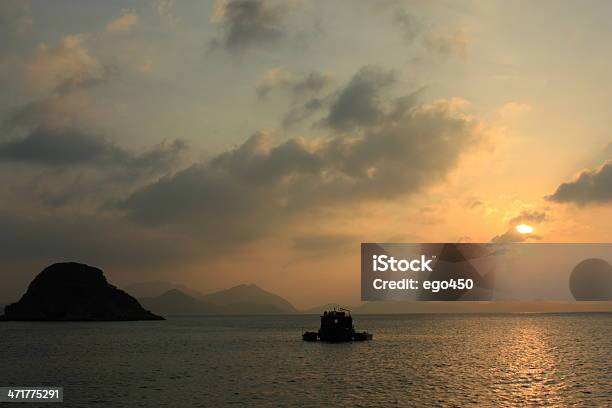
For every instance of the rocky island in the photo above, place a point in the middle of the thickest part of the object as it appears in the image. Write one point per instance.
(72, 291)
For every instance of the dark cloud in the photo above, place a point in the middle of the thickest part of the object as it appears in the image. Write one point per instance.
(161, 158)
(308, 85)
(313, 82)
(249, 23)
(49, 130)
(591, 186)
(360, 103)
(528, 217)
(85, 237)
(363, 102)
(400, 148)
(53, 206)
(61, 147)
(40, 113)
(476, 204)
(220, 209)
(257, 187)
(88, 79)
(65, 147)
(302, 112)
(64, 104)
(30, 242)
(54, 138)
(303, 91)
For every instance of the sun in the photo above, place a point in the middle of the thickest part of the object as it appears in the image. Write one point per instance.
(524, 229)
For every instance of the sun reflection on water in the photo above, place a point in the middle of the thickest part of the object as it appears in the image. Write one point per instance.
(527, 367)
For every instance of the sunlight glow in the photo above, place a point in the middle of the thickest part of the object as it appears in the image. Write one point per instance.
(524, 229)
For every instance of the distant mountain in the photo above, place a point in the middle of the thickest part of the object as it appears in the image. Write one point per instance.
(249, 296)
(249, 308)
(239, 300)
(175, 302)
(157, 288)
(72, 291)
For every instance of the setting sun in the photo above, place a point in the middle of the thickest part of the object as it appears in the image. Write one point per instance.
(524, 229)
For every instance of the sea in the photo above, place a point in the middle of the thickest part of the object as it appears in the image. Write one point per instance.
(261, 361)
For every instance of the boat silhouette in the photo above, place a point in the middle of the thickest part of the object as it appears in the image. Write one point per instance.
(336, 327)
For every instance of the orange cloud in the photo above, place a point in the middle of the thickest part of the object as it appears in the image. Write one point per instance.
(50, 68)
(126, 22)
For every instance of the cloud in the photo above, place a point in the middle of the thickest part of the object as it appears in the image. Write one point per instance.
(454, 44)
(304, 92)
(514, 108)
(301, 112)
(49, 130)
(410, 25)
(476, 204)
(60, 147)
(60, 77)
(55, 138)
(248, 23)
(84, 237)
(67, 147)
(69, 65)
(589, 187)
(55, 111)
(45, 128)
(162, 157)
(313, 82)
(16, 23)
(363, 102)
(125, 22)
(528, 217)
(259, 186)
(279, 79)
(441, 42)
(274, 78)
(608, 149)
(61, 218)
(360, 103)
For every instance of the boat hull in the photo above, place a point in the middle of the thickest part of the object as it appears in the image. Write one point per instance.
(336, 338)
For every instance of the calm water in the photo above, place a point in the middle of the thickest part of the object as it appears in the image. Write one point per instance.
(516, 360)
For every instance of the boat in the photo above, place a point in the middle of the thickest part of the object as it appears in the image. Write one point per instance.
(336, 327)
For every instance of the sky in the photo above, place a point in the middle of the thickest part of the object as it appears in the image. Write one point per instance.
(256, 141)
